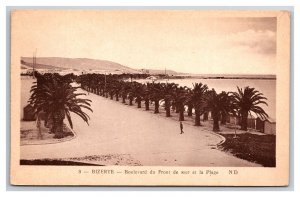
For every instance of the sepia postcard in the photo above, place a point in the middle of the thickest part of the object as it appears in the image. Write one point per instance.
(150, 97)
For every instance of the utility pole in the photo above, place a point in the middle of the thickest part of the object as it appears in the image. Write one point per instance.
(235, 121)
(166, 75)
(34, 63)
(105, 82)
(235, 128)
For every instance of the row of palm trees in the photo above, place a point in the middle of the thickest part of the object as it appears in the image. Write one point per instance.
(54, 99)
(199, 99)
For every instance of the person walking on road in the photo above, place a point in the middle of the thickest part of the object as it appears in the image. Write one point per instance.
(181, 128)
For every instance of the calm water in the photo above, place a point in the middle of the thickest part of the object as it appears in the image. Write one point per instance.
(267, 87)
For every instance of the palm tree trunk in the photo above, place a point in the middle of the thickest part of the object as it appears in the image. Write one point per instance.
(58, 125)
(167, 107)
(139, 102)
(197, 118)
(244, 123)
(60, 131)
(156, 104)
(216, 124)
(130, 101)
(190, 110)
(223, 119)
(147, 104)
(117, 97)
(181, 115)
(123, 99)
(46, 122)
(205, 116)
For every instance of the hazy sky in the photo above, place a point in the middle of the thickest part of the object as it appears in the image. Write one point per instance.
(184, 41)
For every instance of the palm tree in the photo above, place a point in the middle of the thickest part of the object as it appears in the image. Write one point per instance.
(247, 101)
(180, 100)
(57, 99)
(130, 95)
(124, 91)
(116, 89)
(227, 101)
(137, 89)
(168, 90)
(110, 89)
(156, 95)
(218, 104)
(189, 102)
(146, 96)
(197, 98)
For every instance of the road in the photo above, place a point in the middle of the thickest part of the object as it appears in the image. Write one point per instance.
(116, 128)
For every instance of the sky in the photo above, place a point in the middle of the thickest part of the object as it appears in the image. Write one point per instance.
(184, 41)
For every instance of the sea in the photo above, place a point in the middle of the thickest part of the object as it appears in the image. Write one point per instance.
(266, 86)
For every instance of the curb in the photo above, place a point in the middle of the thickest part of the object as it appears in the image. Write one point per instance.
(56, 142)
(222, 137)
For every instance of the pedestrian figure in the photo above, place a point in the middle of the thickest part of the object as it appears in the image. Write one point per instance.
(181, 128)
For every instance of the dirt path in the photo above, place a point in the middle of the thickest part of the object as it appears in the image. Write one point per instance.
(152, 140)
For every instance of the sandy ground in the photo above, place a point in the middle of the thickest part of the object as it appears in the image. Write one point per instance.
(150, 139)
(30, 134)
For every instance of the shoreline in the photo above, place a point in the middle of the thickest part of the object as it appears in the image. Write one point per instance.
(221, 77)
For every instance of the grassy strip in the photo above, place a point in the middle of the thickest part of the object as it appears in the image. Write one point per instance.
(56, 162)
(260, 149)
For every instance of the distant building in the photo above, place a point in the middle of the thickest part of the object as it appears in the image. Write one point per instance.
(42, 71)
(117, 72)
(231, 119)
(83, 72)
(67, 71)
(152, 78)
(145, 71)
(266, 125)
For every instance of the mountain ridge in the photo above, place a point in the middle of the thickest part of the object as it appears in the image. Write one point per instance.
(77, 63)
(86, 64)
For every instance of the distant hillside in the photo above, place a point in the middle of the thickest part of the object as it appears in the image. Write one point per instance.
(77, 63)
(27, 63)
